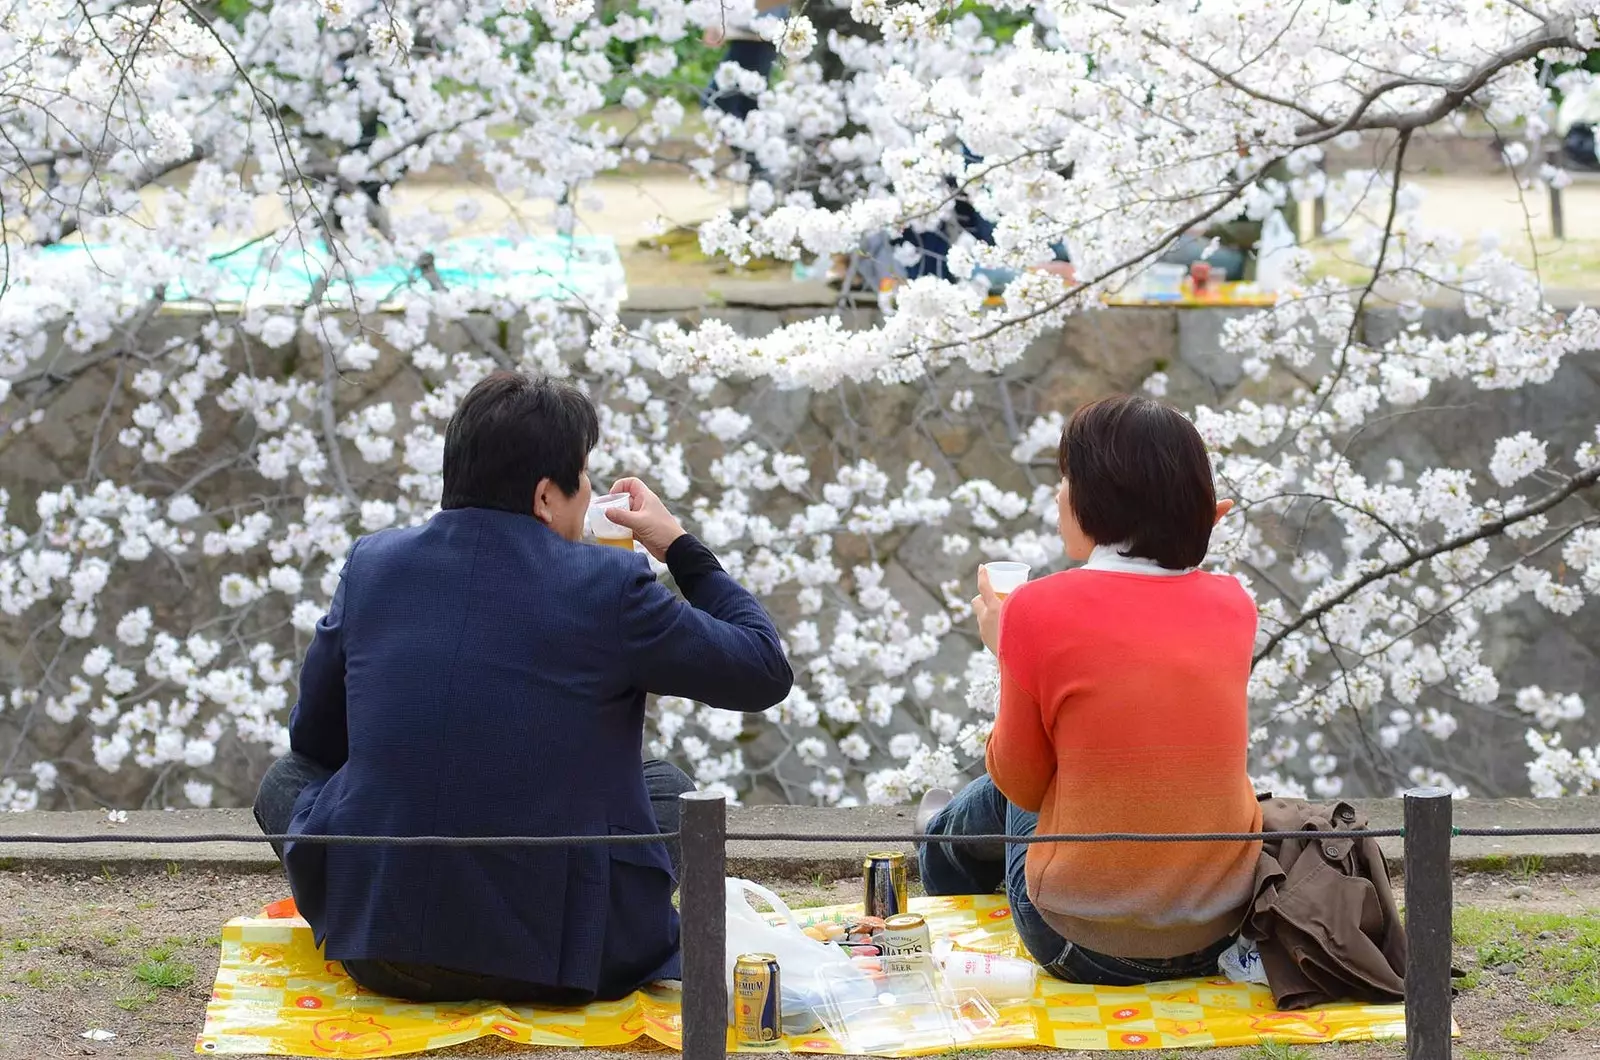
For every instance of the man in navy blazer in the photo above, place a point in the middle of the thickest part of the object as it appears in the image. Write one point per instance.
(485, 674)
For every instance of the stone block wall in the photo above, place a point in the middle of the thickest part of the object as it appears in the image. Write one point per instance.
(1091, 356)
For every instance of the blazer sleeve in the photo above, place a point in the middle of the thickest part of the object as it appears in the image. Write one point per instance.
(720, 648)
(317, 727)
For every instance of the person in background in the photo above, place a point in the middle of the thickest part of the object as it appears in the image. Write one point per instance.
(915, 253)
(1576, 120)
(933, 249)
(1232, 247)
(748, 49)
(1122, 709)
(485, 674)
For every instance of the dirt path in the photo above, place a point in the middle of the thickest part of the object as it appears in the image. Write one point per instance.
(136, 956)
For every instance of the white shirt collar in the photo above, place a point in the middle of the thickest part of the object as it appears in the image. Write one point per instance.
(1110, 558)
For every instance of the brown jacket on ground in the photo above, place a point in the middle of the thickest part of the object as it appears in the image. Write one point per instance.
(1324, 916)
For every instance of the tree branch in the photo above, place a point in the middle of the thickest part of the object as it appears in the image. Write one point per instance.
(1452, 98)
(1573, 485)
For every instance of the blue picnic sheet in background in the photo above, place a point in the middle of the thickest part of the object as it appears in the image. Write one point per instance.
(577, 269)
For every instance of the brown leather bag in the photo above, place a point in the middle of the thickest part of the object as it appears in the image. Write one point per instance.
(1324, 915)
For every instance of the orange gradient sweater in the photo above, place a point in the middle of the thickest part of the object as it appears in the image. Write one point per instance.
(1122, 709)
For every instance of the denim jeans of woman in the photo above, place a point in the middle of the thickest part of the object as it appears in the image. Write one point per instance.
(274, 808)
(947, 868)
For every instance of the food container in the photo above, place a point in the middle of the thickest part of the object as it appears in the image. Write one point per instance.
(1163, 282)
(899, 1011)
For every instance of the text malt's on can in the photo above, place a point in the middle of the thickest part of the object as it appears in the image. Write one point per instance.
(907, 942)
(885, 884)
(907, 933)
(757, 999)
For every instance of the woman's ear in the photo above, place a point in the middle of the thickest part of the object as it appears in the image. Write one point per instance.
(1223, 508)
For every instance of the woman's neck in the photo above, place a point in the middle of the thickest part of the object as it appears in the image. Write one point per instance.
(1111, 558)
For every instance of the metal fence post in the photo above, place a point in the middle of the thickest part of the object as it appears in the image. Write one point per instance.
(1558, 215)
(1428, 913)
(702, 906)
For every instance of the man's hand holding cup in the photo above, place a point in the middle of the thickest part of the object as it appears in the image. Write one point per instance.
(653, 526)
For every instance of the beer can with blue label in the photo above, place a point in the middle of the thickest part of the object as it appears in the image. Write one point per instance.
(757, 999)
(885, 884)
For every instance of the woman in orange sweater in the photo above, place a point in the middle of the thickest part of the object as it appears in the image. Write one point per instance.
(1122, 709)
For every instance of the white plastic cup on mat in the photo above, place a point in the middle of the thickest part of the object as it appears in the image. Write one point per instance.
(1007, 577)
(991, 976)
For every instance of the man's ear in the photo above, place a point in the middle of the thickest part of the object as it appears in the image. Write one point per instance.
(1223, 508)
(542, 509)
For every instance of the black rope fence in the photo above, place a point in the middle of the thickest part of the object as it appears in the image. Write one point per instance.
(703, 837)
(855, 839)
(621, 839)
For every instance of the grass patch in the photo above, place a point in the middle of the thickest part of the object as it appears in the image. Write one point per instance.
(41, 979)
(1520, 1032)
(1565, 263)
(1276, 1051)
(163, 968)
(681, 246)
(1556, 956)
(1527, 866)
(136, 1001)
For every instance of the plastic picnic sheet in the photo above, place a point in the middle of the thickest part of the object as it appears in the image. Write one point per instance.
(1230, 293)
(275, 994)
(272, 274)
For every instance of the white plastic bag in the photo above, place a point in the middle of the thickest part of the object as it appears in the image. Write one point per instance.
(1241, 963)
(1273, 252)
(799, 956)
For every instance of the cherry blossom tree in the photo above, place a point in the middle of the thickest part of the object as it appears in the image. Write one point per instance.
(156, 597)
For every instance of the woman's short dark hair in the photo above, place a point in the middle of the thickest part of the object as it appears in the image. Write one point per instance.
(1138, 476)
(510, 432)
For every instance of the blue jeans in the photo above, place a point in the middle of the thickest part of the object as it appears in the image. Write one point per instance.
(429, 983)
(980, 809)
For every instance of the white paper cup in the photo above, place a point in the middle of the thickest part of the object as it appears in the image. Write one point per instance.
(601, 528)
(1006, 578)
(991, 976)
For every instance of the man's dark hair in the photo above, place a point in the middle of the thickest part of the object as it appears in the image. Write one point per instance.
(511, 431)
(1138, 476)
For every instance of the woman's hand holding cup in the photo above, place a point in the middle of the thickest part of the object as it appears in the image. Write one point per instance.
(986, 607)
(996, 581)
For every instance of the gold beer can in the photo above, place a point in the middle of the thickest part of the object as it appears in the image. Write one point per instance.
(757, 999)
(907, 942)
(884, 884)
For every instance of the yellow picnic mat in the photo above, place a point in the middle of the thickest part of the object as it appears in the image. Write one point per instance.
(1229, 293)
(275, 994)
